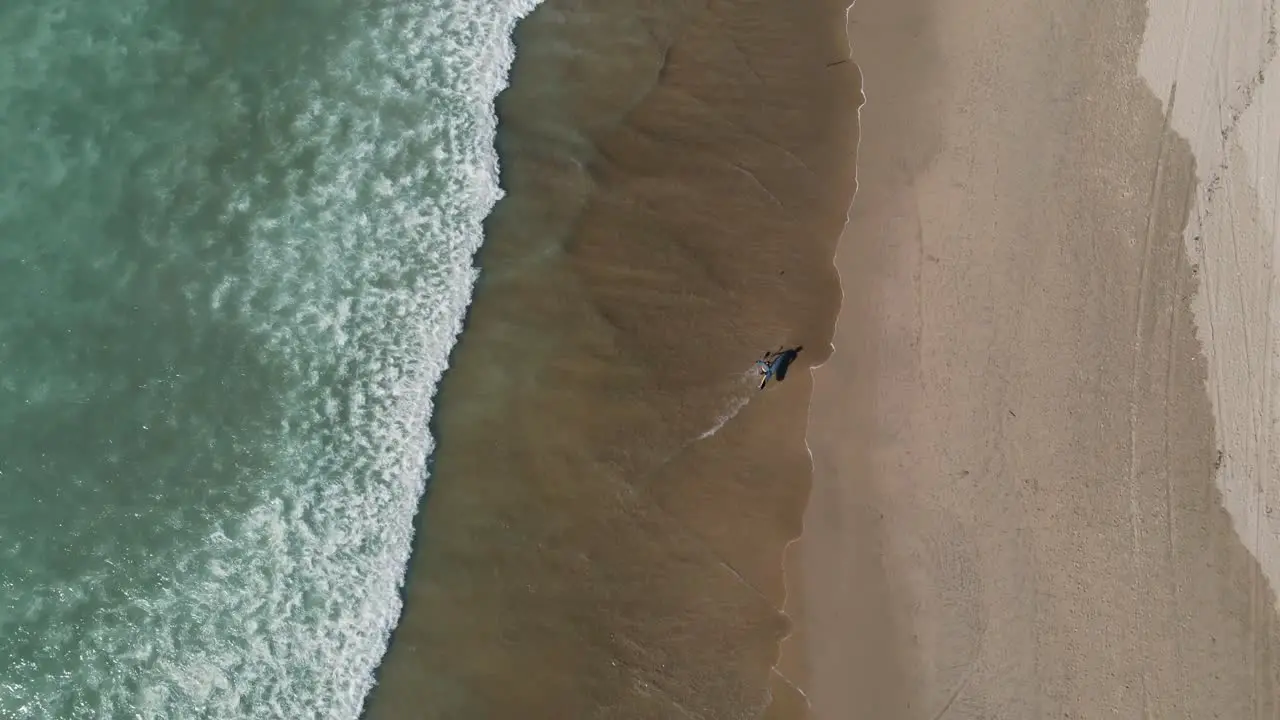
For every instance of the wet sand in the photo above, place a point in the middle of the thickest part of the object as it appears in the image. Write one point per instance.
(1021, 481)
(611, 497)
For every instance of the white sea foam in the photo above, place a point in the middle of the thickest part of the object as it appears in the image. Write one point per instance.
(734, 405)
(324, 222)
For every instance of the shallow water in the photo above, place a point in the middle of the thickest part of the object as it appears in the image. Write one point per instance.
(235, 250)
(679, 173)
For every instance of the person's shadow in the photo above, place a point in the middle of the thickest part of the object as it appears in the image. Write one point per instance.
(780, 362)
(784, 360)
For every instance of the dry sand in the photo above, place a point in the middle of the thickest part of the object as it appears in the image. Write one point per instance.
(1210, 62)
(1052, 377)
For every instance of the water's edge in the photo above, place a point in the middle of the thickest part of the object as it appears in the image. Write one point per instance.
(437, 417)
(582, 306)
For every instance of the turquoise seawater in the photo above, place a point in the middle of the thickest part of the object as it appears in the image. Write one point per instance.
(236, 243)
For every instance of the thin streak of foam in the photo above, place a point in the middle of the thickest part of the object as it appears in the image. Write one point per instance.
(735, 406)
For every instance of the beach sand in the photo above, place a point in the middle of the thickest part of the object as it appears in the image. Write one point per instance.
(1052, 374)
(611, 496)
(1042, 468)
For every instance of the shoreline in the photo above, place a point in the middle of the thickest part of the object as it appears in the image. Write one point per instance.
(659, 164)
(793, 665)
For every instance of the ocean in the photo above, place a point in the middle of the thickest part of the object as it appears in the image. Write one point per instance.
(236, 248)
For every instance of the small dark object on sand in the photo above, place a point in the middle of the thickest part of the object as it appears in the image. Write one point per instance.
(773, 364)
